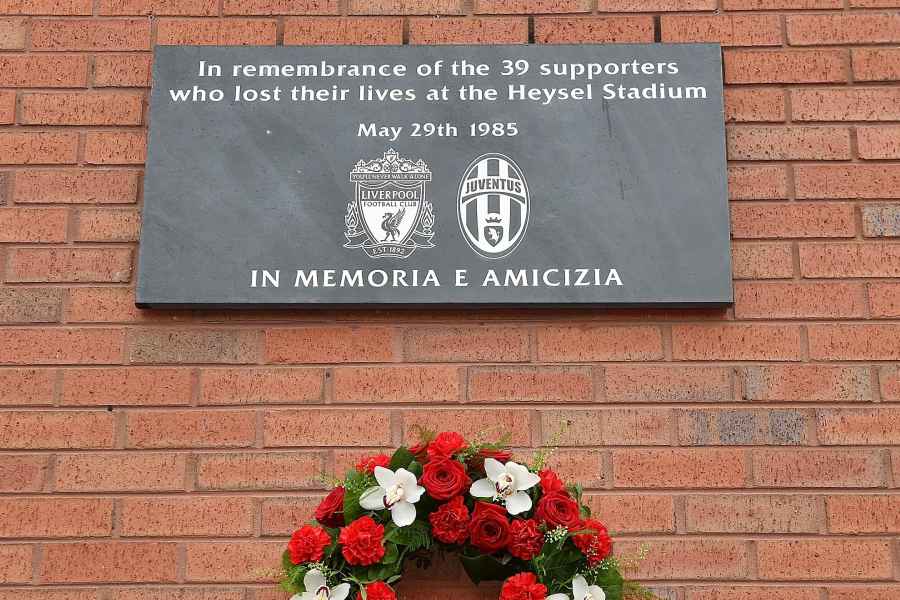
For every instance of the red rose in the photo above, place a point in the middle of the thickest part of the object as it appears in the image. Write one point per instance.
(476, 463)
(489, 529)
(558, 508)
(308, 544)
(525, 540)
(550, 481)
(595, 545)
(330, 511)
(361, 541)
(368, 464)
(450, 522)
(378, 590)
(523, 586)
(444, 478)
(419, 450)
(446, 444)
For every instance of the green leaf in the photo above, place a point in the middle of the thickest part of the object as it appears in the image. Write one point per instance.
(487, 568)
(415, 467)
(414, 536)
(286, 563)
(401, 458)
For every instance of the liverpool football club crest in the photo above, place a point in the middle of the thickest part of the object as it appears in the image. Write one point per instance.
(493, 205)
(389, 215)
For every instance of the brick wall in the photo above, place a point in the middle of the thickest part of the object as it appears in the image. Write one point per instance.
(153, 455)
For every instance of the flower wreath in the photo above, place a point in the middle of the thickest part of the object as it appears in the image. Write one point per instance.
(507, 522)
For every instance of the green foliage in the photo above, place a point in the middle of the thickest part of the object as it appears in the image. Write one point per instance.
(416, 536)
(354, 485)
(485, 567)
(401, 459)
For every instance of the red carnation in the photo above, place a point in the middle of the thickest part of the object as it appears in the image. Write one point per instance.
(308, 544)
(525, 540)
(378, 590)
(489, 528)
(368, 464)
(550, 481)
(450, 522)
(595, 545)
(330, 511)
(523, 586)
(361, 541)
(558, 508)
(444, 478)
(446, 444)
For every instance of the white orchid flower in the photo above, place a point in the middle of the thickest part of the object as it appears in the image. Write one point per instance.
(397, 491)
(317, 588)
(506, 482)
(581, 591)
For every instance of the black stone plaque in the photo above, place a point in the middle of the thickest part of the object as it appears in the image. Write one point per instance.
(411, 175)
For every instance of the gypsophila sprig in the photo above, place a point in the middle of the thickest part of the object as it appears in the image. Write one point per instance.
(556, 535)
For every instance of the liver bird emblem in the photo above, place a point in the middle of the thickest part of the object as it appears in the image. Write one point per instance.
(390, 223)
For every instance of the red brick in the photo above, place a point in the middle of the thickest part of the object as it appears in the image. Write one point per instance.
(261, 386)
(852, 104)
(757, 183)
(37, 147)
(751, 592)
(805, 383)
(315, 427)
(747, 105)
(109, 562)
(655, 5)
(603, 30)
(15, 563)
(854, 342)
(90, 34)
(49, 594)
(530, 384)
(743, 427)
(45, 7)
(814, 559)
(679, 468)
(780, 4)
(27, 387)
(33, 224)
(754, 300)
(76, 186)
(618, 426)
(847, 181)
(666, 384)
(207, 516)
(230, 561)
(109, 304)
(158, 7)
(119, 386)
(397, 384)
(48, 70)
(281, 516)
(876, 64)
(46, 429)
(890, 383)
(190, 429)
(281, 7)
(7, 107)
(878, 142)
(406, 7)
(343, 30)
(597, 343)
(216, 32)
(108, 225)
(120, 472)
(61, 346)
(585, 466)
(817, 468)
(501, 7)
(751, 514)
(233, 346)
(115, 148)
(850, 260)
(858, 427)
(12, 34)
(55, 517)
(788, 143)
(689, 558)
(792, 220)
(895, 466)
(728, 30)
(332, 344)
(260, 470)
(65, 264)
(633, 513)
(762, 261)
(87, 108)
(22, 473)
(884, 299)
(471, 423)
(889, 592)
(467, 344)
(30, 305)
(736, 342)
(122, 70)
(855, 28)
(863, 514)
(179, 593)
(468, 30)
(785, 66)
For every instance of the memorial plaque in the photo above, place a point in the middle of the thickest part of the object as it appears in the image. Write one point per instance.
(415, 175)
